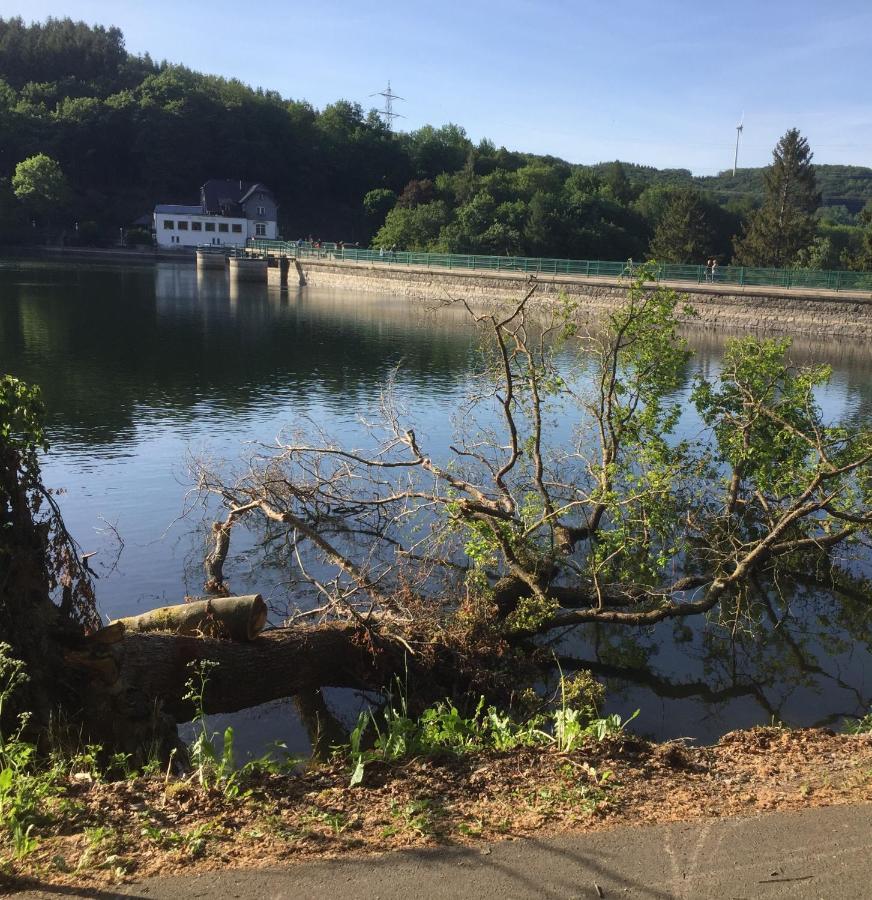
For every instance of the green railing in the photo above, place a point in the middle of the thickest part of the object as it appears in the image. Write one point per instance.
(668, 272)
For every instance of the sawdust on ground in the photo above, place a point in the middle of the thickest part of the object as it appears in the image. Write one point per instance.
(109, 833)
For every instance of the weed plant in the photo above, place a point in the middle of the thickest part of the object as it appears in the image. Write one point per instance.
(443, 730)
(23, 788)
(216, 769)
(862, 725)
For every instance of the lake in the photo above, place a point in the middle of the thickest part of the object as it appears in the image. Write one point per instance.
(144, 367)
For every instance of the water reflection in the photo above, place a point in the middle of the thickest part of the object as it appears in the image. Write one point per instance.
(141, 366)
(111, 348)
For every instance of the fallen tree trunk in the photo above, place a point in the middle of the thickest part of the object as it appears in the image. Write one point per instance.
(279, 663)
(140, 679)
(237, 618)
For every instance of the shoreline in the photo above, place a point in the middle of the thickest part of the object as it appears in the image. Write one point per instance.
(112, 833)
(772, 311)
(108, 254)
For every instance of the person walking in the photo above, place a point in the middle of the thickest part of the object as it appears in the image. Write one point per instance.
(708, 269)
(714, 268)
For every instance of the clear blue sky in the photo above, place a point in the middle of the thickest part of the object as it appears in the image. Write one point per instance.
(661, 82)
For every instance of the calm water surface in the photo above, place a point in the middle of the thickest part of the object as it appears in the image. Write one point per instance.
(142, 368)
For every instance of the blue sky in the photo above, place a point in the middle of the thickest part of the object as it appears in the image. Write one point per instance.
(662, 83)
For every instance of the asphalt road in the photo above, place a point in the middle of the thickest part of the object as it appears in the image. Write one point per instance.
(818, 853)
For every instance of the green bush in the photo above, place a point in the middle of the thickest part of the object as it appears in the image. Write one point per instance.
(139, 237)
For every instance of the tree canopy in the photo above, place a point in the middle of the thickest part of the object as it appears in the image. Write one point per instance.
(128, 133)
(40, 184)
(687, 230)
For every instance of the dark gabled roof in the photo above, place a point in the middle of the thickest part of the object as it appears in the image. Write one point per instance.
(256, 186)
(219, 193)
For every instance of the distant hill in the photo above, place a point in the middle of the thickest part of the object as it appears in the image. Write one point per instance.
(648, 175)
(849, 186)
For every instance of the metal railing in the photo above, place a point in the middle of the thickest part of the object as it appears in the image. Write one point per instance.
(666, 272)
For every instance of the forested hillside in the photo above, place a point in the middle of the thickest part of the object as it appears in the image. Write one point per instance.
(128, 132)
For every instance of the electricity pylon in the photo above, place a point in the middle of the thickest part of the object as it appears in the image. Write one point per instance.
(388, 113)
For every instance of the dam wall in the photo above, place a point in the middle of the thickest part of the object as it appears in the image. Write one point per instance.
(768, 310)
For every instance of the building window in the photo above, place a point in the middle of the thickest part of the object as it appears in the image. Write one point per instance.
(183, 226)
(260, 229)
(169, 224)
(196, 226)
(210, 226)
(222, 226)
(237, 229)
(261, 210)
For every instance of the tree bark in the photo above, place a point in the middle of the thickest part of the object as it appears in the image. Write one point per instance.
(155, 668)
(238, 618)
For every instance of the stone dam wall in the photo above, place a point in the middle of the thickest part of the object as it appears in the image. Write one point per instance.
(768, 310)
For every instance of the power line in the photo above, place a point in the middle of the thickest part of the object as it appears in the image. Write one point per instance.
(388, 113)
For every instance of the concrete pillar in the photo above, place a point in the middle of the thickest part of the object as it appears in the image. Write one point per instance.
(277, 273)
(242, 269)
(209, 259)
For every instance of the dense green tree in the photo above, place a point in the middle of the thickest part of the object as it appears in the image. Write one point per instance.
(617, 185)
(785, 222)
(863, 258)
(376, 205)
(435, 150)
(819, 254)
(465, 234)
(59, 50)
(836, 214)
(539, 179)
(684, 233)
(598, 228)
(545, 225)
(40, 185)
(412, 229)
(652, 203)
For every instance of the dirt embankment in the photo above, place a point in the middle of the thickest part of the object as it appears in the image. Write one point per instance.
(104, 833)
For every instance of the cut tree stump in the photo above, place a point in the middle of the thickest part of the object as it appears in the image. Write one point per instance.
(237, 618)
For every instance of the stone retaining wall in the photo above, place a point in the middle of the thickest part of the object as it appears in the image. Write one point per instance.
(768, 310)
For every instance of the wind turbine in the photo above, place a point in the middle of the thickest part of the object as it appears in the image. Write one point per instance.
(739, 128)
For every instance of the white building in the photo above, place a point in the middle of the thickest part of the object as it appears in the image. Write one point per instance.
(229, 213)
